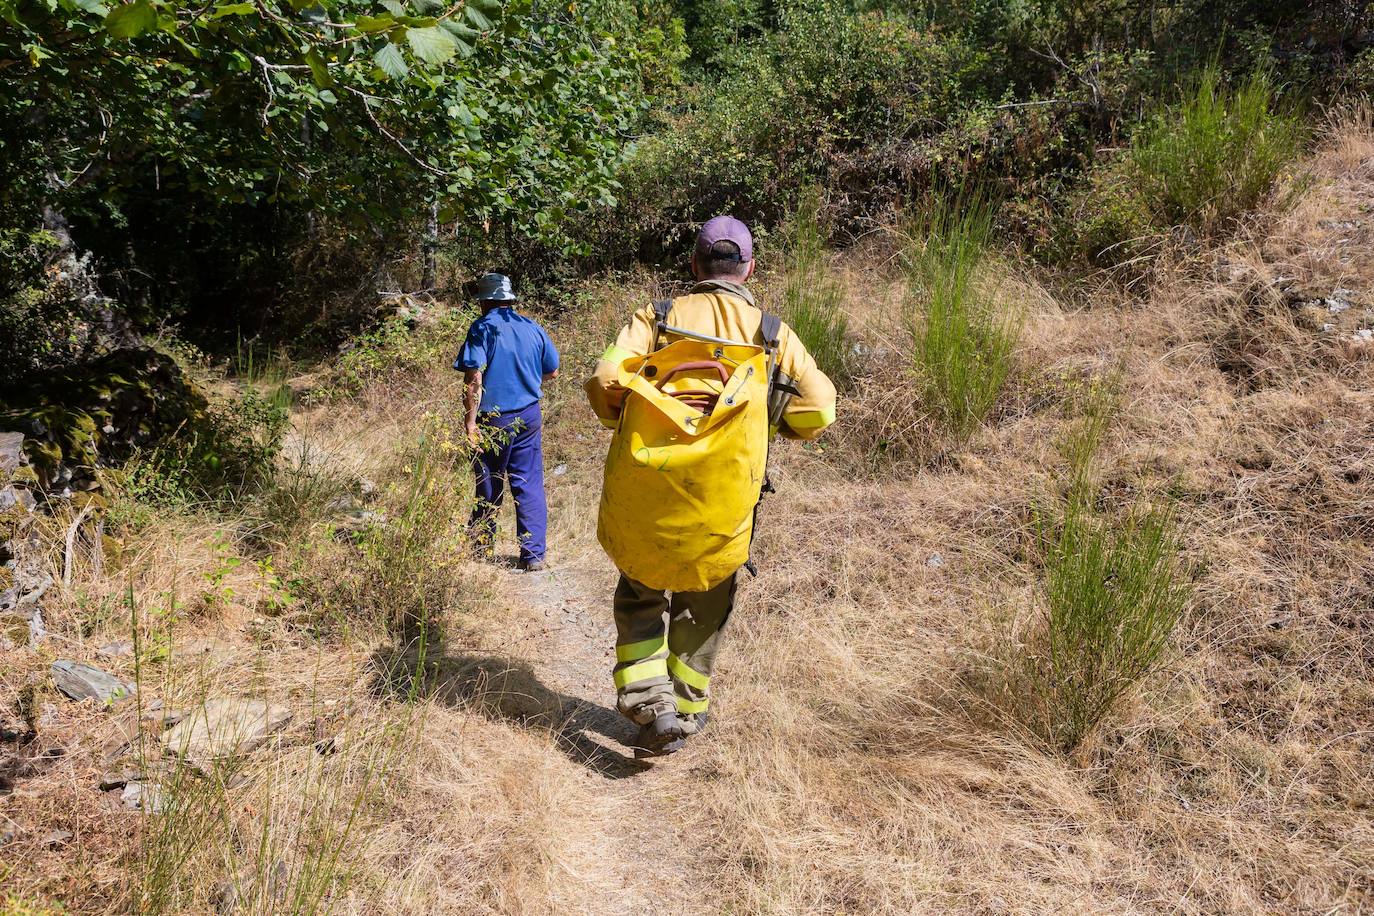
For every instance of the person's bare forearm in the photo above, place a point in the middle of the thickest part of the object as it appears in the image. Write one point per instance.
(472, 397)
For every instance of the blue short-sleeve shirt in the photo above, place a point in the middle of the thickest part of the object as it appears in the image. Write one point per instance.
(514, 354)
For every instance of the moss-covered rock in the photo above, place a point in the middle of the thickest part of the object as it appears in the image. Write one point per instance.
(11, 455)
(81, 418)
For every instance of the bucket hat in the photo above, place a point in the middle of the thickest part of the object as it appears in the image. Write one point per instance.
(495, 288)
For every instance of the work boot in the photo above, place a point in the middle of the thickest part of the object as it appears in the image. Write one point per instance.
(661, 737)
(695, 724)
(537, 565)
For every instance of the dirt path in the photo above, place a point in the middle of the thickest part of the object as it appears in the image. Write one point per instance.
(573, 652)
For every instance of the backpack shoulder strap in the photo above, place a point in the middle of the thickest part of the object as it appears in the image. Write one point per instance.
(661, 309)
(771, 329)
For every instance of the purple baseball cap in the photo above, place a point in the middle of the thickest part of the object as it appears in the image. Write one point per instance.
(726, 229)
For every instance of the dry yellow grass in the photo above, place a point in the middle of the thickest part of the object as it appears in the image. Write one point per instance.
(869, 767)
(864, 756)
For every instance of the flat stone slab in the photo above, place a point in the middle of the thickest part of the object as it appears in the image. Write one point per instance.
(224, 727)
(142, 795)
(11, 454)
(117, 649)
(80, 682)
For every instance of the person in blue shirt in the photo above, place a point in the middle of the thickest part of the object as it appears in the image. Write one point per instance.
(505, 360)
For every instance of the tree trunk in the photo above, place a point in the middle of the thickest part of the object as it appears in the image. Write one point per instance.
(431, 248)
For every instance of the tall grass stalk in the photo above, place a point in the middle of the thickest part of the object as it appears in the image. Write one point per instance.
(264, 372)
(1218, 153)
(964, 344)
(269, 832)
(1097, 407)
(813, 297)
(408, 562)
(1114, 590)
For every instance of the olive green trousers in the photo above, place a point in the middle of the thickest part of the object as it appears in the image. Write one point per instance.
(661, 667)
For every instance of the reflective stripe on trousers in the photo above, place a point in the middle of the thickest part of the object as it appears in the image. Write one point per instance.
(664, 667)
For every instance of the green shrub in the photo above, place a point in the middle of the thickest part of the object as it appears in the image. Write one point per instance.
(228, 454)
(823, 96)
(265, 372)
(1199, 164)
(43, 321)
(1114, 589)
(1108, 222)
(394, 349)
(1218, 154)
(964, 344)
(813, 298)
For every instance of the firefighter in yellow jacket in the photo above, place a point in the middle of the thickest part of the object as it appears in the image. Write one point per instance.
(663, 670)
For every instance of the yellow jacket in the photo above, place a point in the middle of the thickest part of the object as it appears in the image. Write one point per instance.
(720, 309)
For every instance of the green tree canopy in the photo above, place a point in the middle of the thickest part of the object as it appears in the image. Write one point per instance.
(366, 110)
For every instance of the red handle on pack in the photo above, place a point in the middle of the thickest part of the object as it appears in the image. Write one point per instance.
(693, 366)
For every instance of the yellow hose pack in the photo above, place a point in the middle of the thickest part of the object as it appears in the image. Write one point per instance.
(686, 464)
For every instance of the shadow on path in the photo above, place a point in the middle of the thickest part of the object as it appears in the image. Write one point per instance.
(507, 690)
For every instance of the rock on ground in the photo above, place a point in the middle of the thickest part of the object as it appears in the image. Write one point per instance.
(11, 453)
(80, 682)
(224, 727)
(142, 795)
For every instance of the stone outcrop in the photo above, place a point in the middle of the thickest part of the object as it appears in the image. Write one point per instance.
(84, 682)
(24, 577)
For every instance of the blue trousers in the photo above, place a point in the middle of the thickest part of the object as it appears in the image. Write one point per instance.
(516, 457)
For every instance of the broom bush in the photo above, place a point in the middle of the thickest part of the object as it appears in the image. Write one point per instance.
(963, 343)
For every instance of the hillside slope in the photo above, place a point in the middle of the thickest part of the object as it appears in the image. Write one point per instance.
(865, 755)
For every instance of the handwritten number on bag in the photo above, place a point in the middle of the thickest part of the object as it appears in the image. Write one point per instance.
(644, 456)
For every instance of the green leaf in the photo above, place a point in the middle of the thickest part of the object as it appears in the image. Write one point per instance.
(477, 18)
(461, 36)
(397, 9)
(131, 19)
(318, 69)
(433, 45)
(374, 23)
(233, 9)
(490, 7)
(391, 62)
(92, 6)
(37, 53)
(458, 29)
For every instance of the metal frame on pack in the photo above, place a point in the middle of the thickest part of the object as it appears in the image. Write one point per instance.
(770, 344)
(704, 338)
